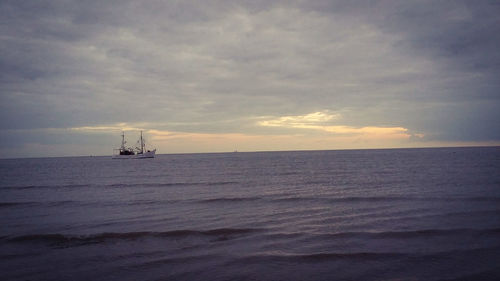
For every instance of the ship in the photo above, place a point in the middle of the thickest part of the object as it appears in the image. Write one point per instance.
(133, 153)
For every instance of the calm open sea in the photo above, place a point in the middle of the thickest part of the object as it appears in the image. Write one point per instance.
(402, 214)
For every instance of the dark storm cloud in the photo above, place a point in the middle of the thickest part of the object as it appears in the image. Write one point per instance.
(460, 34)
(462, 37)
(218, 66)
(462, 102)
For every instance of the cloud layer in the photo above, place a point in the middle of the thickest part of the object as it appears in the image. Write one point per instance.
(425, 73)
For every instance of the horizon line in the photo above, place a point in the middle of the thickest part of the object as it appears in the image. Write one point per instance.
(268, 151)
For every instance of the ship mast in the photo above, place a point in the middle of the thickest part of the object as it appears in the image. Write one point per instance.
(123, 141)
(142, 144)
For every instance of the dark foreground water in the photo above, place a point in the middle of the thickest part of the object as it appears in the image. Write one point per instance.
(408, 214)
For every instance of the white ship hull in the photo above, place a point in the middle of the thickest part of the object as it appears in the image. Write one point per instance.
(148, 154)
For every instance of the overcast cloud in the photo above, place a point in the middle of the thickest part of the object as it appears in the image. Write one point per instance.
(202, 76)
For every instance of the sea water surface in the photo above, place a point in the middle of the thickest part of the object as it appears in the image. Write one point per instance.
(402, 214)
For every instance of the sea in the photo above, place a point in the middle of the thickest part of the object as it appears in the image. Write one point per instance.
(391, 214)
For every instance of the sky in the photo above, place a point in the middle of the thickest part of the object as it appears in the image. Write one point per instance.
(216, 76)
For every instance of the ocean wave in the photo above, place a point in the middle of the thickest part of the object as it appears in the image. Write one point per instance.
(15, 204)
(316, 257)
(283, 257)
(424, 233)
(22, 187)
(60, 203)
(171, 184)
(344, 199)
(122, 185)
(483, 199)
(56, 238)
(361, 199)
(146, 202)
(173, 260)
(443, 215)
(30, 203)
(490, 253)
(415, 233)
(229, 199)
(290, 173)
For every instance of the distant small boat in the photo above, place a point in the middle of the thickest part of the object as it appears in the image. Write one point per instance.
(133, 153)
